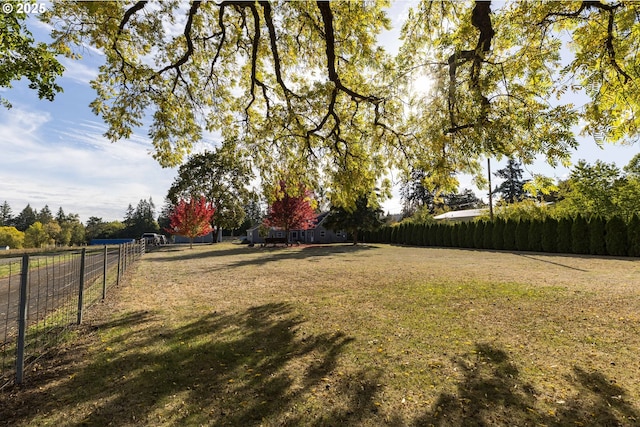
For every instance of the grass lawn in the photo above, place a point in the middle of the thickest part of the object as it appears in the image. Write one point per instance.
(342, 335)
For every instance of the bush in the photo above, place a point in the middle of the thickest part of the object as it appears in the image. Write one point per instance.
(550, 235)
(580, 241)
(446, 235)
(616, 236)
(463, 230)
(498, 234)
(510, 235)
(535, 235)
(597, 244)
(522, 235)
(564, 242)
(478, 235)
(455, 231)
(633, 236)
(487, 240)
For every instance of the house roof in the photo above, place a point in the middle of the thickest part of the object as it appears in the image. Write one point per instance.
(460, 215)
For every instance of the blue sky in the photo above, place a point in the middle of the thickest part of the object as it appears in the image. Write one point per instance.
(53, 153)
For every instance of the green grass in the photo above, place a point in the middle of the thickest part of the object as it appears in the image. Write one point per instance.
(337, 335)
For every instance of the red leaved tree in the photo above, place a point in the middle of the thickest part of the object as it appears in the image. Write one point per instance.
(191, 219)
(291, 212)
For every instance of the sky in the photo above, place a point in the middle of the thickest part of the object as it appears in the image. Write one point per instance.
(55, 154)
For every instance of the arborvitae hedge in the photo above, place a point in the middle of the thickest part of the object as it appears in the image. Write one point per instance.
(509, 235)
(616, 236)
(535, 235)
(522, 235)
(580, 241)
(597, 244)
(597, 236)
(633, 236)
(498, 234)
(478, 235)
(487, 239)
(550, 235)
(564, 244)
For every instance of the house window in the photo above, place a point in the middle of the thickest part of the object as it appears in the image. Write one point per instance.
(280, 234)
(294, 235)
(322, 233)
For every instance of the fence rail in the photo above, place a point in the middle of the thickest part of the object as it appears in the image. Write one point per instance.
(42, 296)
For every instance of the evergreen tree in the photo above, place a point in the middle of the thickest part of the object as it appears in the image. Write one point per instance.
(487, 241)
(478, 235)
(26, 218)
(510, 234)
(550, 235)
(440, 234)
(44, 216)
(597, 243)
(633, 230)
(6, 218)
(564, 242)
(580, 242)
(535, 235)
(446, 235)
(522, 235)
(497, 238)
(512, 188)
(616, 236)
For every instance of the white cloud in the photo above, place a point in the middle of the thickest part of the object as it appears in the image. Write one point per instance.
(74, 166)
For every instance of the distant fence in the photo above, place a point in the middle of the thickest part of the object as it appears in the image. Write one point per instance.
(42, 296)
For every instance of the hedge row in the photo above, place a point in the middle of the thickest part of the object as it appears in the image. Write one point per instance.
(579, 235)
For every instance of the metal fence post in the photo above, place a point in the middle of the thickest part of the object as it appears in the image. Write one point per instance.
(81, 287)
(22, 319)
(104, 274)
(119, 264)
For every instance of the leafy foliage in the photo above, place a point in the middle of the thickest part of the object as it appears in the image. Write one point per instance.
(291, 210)
(365, 217)
(221, 176)
(191, 218)
(21, 56)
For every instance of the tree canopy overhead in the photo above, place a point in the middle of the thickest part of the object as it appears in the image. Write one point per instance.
(307, 89)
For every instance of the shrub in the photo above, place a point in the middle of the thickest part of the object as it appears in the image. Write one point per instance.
(563, 241)
(522, 235)
(498, 234)
(633, 236)
(509, 234)
(550, 235)
(535, 235)
(446, 235)
(455, 230)
(580, 241)
(478, 235)
(616, 236)
(597, 244)
(487, 240)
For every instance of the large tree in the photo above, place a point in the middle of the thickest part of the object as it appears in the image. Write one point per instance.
(191, 218)
(291, 209)
(222, 176)
(21, 56)
(512, 188)
(366, 216)
(305, 87)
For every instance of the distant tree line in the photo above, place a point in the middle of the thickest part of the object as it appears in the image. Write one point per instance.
(32, 228)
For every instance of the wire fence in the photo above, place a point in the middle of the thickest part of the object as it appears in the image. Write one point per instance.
(43, 296)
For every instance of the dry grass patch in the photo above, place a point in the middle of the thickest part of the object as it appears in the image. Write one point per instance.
(341, 335)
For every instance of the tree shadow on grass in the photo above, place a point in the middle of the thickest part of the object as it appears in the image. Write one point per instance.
(220, 369)
(491, 393)
(236, 256)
